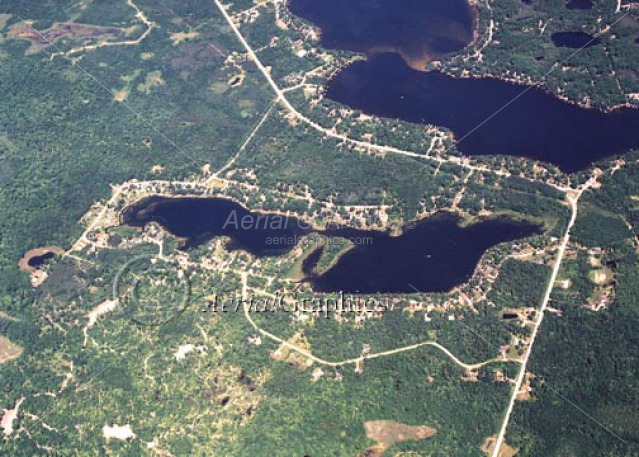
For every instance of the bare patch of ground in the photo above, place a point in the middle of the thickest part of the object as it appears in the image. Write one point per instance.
(296, 359)
(601, 276)
(602, 297)
(121, 95)
(470, 376)
(6, 317)
(388, 432)
(43, 38)
(184, 349)
(118, 432)
(4, 18)
(153, 80)
(8, 350)
(179, 37)
(103, 308)
(9, 416)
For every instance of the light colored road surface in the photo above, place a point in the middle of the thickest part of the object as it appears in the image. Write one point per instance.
(83, 238)
(572, 196)
(332, 134)
(356, 360)
(573, 199)
(92, 47)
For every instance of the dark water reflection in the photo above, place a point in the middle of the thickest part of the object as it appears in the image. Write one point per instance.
(416, 29)
(536, 125)
(39, 260)
(494, 116)
(580, 4)
(436, 255)
(574, 40)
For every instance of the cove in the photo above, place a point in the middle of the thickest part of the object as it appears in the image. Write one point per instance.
(499, 118)
(418, 30)
(434, 256)
(199, 220)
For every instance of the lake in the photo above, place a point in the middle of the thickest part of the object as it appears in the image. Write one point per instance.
(434, 256)
(574, 40)
(39, 260)
(536, 125)
(419, 30)
(398, 41)
(199, 220)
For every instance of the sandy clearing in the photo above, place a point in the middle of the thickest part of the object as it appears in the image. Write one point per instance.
(179, 37)
(388, 432)
(8, 350)
(505, 450)
(118, 432)
(184, 349)
(103, 308)
(9, 416)
(24, 261)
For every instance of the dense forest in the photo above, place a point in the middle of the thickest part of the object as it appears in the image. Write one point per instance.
(585, 361)
(183, 101)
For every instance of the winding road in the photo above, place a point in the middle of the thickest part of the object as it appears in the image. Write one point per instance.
(292, 347)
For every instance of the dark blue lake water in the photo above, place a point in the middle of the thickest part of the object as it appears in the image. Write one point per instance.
(494, 116)
(419, 30)
(436, 255)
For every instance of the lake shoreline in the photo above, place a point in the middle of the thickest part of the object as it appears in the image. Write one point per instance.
(437, 254)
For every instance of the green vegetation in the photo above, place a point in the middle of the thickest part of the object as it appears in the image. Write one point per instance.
(210, 380)
(587, 357)
(520, 284)
(522, 44)
(600, 227)
(65, 139)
